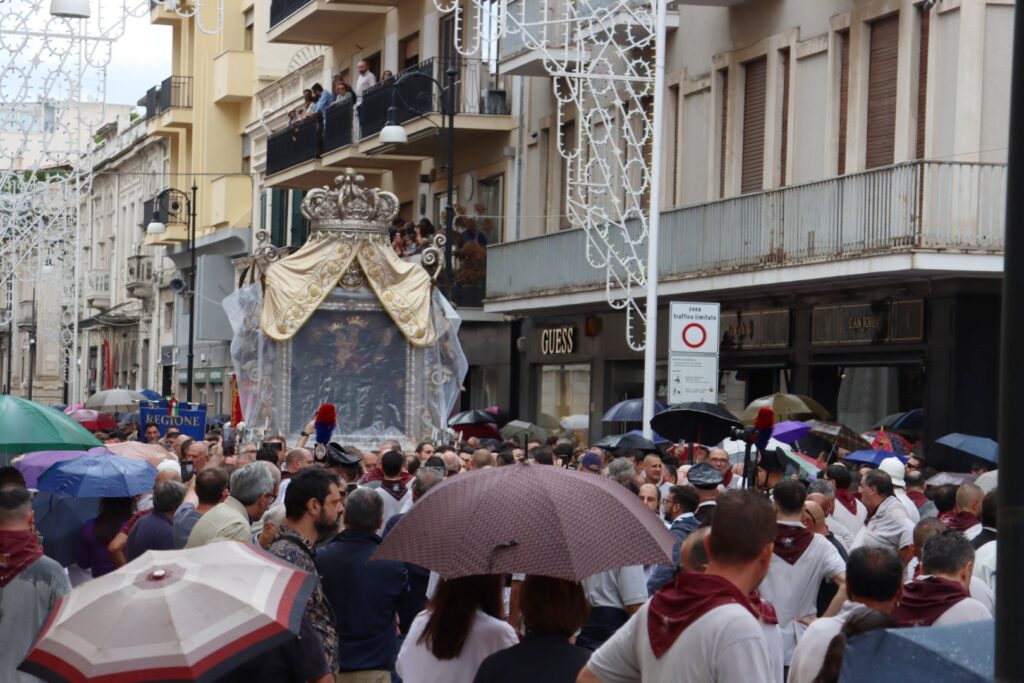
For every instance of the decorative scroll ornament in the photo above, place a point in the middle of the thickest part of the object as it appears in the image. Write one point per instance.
(348, 245)
(432, 255)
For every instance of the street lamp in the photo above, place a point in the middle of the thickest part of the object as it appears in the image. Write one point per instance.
(394, 133)
(175, 198)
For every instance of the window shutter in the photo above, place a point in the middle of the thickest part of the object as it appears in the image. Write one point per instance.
(922, 82)
(881, 137)
(300, 227)
(278, 216)
(725, 125)
(784, 56)
(263, 210)
(754, 92)
(844, 95)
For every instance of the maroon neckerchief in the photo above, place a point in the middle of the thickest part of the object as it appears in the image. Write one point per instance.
(764, 608)
(18, 549)
(683, 601)
(925, 600)
(961, 521)
(395, 487)
(792, 541)
(846, 498)
(918, 498)
(726, 478)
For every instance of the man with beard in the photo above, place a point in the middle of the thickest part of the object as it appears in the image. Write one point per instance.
(366, 595)
(312, 507)
(679, 508)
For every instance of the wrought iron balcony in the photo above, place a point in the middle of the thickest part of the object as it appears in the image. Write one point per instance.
(175, 92)
(922, 206)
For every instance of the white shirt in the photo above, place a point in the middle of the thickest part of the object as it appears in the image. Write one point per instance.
(980, 591)
(280, 492)
(776, 651)
(416, 663)
(985, 564)
(726, 645)
(890, 527)
(364, 81)
(852, 521)
(809, 654)
(972, 532)
(962, 612)
(618, 588)
(392, 505)
(912, 512)
(793, 588)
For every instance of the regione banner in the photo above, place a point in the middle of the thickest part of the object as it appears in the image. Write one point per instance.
(188, 418)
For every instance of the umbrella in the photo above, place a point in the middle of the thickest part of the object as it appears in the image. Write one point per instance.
(978, 446)
(480, 431)
(115, 400)
(840, 436)
(630, 410)
(93, 420)
(150, 394)
(955, 478)
(656, 438)
(695, 423)
(568, 524)
(785, 407)
(526, 431)
(99, 476)
(59, 520)
(889, 441)
(153, 453)
(789, 431)
(34, 464)
(471, 417)
(871, 457)
(548, 422)
(26, 427)
(175, 615)
(910, 421)
(960, 653)
(576, 422)
(623, 442)
(73, 407)
(131, 418)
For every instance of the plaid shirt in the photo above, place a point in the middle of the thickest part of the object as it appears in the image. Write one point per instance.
(318, 610)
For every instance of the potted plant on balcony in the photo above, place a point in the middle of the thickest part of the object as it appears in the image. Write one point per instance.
(471, 258)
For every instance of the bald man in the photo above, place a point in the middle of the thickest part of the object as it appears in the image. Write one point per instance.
(834, 528)
(967, 516)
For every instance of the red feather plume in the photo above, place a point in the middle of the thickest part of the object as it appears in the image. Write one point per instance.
(765, 419)
(325, 414)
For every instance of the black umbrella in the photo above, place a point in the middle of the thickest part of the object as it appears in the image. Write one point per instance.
(471, 417)
(627, 442)
(695, 423)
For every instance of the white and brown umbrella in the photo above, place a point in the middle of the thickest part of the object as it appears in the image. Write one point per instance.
(176, 615)
(115, 401)
(153, 453)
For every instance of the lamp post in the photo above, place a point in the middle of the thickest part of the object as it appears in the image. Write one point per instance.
(175, 198)
(394, 133)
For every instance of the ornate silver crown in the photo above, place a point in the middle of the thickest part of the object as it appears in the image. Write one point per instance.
(351, 206)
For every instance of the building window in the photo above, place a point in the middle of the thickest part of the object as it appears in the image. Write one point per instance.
(491, 208)
(755, 90)
(844, 95)
(249, 37)
(562, 391)
(484, 386)
(168, 316)
(881, 119)
(246, 154)
(299, 224)
(723, 126)
(409, 52)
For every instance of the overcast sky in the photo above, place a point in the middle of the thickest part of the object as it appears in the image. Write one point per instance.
(141, 59)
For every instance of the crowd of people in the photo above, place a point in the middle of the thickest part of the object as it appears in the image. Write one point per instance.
(766, 583)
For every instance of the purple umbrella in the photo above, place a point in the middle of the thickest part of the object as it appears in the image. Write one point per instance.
(789, 431)
(34, 464)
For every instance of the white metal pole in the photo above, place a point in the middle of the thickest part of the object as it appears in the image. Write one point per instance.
(651, 330)
(73, 368)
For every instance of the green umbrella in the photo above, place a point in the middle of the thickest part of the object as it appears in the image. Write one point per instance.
(26, 426)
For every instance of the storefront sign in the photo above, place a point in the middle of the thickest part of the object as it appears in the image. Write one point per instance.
(199, 376)
(755, 330)
(693, 352)
(216, 376)
(883, 322)
(558, 341)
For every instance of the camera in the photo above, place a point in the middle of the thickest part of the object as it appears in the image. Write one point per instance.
(748, 434)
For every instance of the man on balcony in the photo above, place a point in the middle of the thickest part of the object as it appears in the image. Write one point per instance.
(365, 80)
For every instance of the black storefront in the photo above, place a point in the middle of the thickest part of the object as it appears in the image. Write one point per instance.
(863, 353)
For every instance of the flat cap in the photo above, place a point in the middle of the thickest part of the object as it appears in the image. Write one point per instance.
(704, 476)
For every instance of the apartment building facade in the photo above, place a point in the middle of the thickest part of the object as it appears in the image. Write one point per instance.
(833, 176)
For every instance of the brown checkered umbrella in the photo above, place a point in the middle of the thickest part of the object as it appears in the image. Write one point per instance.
(536, 519)
(838, 435)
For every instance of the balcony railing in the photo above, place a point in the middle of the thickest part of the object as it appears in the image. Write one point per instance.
(282, 9)
(294, 145)
(922, 205)
(525, 26)
(476, 92)
(175, 92)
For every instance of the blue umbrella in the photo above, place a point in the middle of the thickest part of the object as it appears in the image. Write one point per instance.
(873, 458)
(59, 520)
(978, 446)
(961, 653)
(99, 476)
(130, 418)
(150, 394)
(658, 440)
(630, 410)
